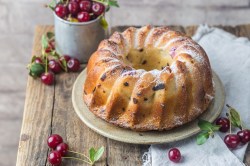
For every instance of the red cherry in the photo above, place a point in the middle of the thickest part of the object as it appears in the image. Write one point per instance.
(48, 49)
(98, 8)
(47, 78)
(52, 45)
(61, 10)
(244, 136)
(62, 148)
(174, 155)
(76, 1)
(66, 57)
(232, 140)
(38, 60)
(73, 8)
(224, 123)
(83, 17)
(55, 158)
(54, 140)
(73, 65)
(54, 66)
(85, 6)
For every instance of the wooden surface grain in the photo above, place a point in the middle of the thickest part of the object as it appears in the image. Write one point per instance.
(37, 116)
(48, 109)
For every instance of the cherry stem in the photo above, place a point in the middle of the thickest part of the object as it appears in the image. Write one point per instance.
(230, 125)
(241, 125)
(211, 131)
(80, 154)
(106, 4)
(78, 159)
(46, 63)
(230, 118)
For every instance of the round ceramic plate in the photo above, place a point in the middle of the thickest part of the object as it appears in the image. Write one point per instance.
(149, 137)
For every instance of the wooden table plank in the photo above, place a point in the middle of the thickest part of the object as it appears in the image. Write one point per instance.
(48, 109)
(125, 154)
(66, 122)
(36, 118)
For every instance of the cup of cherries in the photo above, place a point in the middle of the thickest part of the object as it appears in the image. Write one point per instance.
(80, 26)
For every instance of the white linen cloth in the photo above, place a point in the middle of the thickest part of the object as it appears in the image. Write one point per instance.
(230, 59)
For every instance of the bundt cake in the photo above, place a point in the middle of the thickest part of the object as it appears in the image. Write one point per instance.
(151, 78)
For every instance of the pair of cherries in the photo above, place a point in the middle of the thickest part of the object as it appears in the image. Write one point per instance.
(233, 140)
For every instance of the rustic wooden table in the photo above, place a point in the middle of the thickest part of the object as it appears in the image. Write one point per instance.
(48, 109)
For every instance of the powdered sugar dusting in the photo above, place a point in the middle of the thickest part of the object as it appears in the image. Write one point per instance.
(138, 72)
(173, 67)
(148, 37)
(155, 72)
(156, 44)
(178, 120)
(137, 38)
(192, 52)
(173, 40)
(127, 45)
(209, 97)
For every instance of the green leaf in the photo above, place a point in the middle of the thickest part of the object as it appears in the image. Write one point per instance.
(63, 64)
(92, 154)
(205, 125)
(52, 5)
(45, 42)
(216, 127)
(232, 121)
(107, 8)
(50, 35)
(33, 58)
(113, 3)
(104, 23)
(98, 153)
(62, 1)
(55, 54)
(234, 117)
(36, 69)
(202, 138)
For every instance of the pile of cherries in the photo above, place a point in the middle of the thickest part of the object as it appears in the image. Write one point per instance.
(55, 66)
(233, 140)
(60, 149)
(79, 10)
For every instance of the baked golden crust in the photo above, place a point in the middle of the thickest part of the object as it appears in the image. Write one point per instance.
(148, 79)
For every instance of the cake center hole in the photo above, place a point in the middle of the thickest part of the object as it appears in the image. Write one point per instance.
(148, 59)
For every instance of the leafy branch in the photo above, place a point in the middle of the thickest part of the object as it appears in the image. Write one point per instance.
(48, 50)
(94, 155)
(208, 130)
